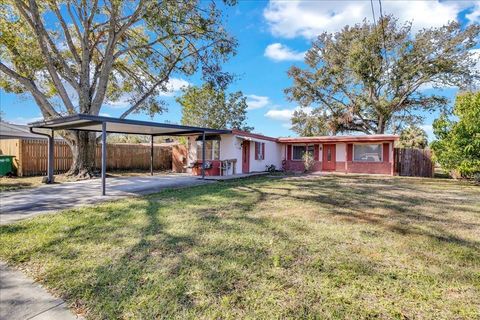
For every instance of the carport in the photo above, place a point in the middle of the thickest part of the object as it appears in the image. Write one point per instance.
(91, 123)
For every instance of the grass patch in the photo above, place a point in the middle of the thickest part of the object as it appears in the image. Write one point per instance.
(324, 247)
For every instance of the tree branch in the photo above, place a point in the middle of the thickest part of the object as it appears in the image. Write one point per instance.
(40, 98)
(41, 33)
(68, 36)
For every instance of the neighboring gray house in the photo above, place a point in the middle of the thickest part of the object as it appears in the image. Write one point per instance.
(12, 131)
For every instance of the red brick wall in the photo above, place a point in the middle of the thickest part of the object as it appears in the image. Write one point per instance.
(340, 166)
(385, 167)
(370, 167)
(293, 165)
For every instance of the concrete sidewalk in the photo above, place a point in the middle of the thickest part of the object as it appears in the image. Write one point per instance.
(22, 298)
(26, 203)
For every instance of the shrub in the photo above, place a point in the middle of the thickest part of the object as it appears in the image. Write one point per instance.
(308, 161)
(457, 147)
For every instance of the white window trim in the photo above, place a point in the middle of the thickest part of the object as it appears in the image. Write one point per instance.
(305, 146)
(260, 155)
(293, 153)
(367, 143)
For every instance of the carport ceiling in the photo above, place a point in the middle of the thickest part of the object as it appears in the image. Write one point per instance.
(85, 122)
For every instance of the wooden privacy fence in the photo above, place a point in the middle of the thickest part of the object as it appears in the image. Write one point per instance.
(31, 156)
(414, 162)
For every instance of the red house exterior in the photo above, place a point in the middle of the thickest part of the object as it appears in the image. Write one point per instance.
(248, 152)
(349, 154)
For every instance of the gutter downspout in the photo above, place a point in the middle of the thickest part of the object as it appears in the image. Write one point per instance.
(51, 146)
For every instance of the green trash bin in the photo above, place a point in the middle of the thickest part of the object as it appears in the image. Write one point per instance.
(6, 165)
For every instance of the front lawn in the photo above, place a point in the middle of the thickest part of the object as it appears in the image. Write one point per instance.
(325, 247)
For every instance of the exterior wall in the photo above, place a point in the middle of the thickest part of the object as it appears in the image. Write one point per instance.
(277, 154)
(369, 167)
(273, 155)
(384, 167)
(343, 163)
(231, 148)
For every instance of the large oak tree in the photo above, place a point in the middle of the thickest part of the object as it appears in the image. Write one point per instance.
(74, 56)
(211, 107)
(369, 77)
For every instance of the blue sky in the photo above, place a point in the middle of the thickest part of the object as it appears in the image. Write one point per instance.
(272, 36)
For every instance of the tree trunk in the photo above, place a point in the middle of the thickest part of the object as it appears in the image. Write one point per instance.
(83, 146)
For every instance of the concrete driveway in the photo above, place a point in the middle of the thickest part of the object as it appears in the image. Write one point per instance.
(22, 204)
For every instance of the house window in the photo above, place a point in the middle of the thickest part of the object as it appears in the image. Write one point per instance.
(259, 149)
(367, 152)
(212, 150)
(299, 151)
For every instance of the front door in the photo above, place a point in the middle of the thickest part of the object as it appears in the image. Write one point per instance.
(328, 158)
(245, 156)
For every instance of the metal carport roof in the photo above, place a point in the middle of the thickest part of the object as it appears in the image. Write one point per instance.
(86, 122)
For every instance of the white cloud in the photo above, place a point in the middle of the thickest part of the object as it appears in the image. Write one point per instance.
(280, 115)
(174, 85)
(474, 15)
(280, 52)
(427, 127)
(284, 115)
(308, 19)
(104, 114)
(256, 102)
(429, 130)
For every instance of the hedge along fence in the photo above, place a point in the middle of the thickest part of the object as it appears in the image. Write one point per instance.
(31, 156)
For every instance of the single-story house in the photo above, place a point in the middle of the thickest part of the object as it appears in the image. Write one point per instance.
(14, 131)
(238, 152)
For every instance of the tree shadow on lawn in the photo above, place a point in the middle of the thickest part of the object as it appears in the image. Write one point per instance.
(178, 262)
(402, 206)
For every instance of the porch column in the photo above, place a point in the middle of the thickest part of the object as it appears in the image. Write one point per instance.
(203, 155)
(151, 155)
(51, 155)
(104, 155)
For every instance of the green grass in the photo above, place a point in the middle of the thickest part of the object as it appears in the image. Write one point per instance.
(326, 247)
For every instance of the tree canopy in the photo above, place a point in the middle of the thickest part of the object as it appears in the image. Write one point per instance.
(75, 56)
(310, 124)
(413, 137)
(457, 147)
(211, 107)
(369, 77)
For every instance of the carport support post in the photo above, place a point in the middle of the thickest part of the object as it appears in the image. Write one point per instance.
(51, 155)
(203, 155)
(104, 155)
(151, 155)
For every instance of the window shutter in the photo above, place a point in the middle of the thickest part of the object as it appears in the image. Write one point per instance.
(289, 152)
(263, 151)
(315, 152)
(386, 153)
(256, 150)
(349, 152)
